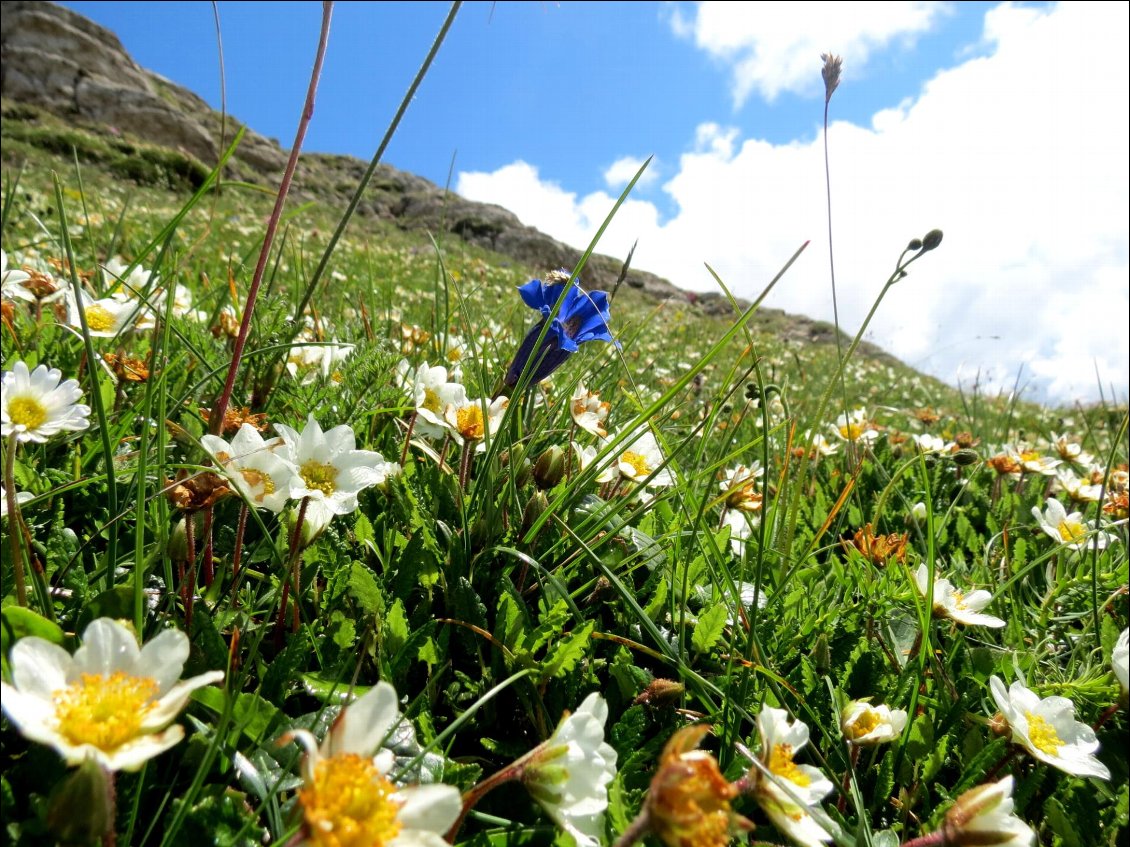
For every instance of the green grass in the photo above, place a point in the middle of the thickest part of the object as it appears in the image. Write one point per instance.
(495, 605)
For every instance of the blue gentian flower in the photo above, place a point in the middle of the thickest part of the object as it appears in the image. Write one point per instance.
(583, 316)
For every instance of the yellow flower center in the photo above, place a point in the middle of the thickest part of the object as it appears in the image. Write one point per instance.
(469, 422)
(431, 401)
(637, 463)
(781, 763)
(1043, 735)
(319, 476)
(257, 479)
(106, 711)
(1071, 531)
(349, 804)
(27, 412)
(861, 726)
(958, 600)
(851, 431)
(99, 319)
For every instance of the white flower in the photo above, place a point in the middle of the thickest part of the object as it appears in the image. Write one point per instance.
(569, 774)
(1080, 490)
(38, 405)
(1070, 451)
(1070, 530)
(308, 362)
(588, 411)
(105, 318)
(740, 487)
(347, 798)
(781, 740)
(1118, 660)
(927, 443)
(465, 417)
(111, 700)
(641, 458)
(586, 456)
(1048, 730)
(261, 475)
(865, 724)
(855, 426)
(21, 498)
(1032, 461)
(128, 286)
(984, 815)
(956, 605)
(430, 392)
(742, 523)
(818, 446)
(331, 471)
(12, 281)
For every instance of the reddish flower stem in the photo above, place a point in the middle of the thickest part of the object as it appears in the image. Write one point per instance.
(216, 421)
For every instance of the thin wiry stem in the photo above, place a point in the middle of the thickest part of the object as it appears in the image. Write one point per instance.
(215, 424)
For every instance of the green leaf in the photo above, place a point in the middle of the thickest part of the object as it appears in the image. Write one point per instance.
(363, 529)
(709, 628)
(363, 588)
(564, 656)
(395, 627)
(221, 816)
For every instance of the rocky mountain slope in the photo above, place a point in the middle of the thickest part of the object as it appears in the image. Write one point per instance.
(60, 65)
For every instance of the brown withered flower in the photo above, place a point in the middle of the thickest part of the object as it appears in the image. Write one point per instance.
(126, 368)
(927, 415)
(688, 803)
(235, 417)
(966, 440)
(1004, 464)
(879, 549)
(192, 492)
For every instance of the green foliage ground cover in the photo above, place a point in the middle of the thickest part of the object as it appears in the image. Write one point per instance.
(496, 589)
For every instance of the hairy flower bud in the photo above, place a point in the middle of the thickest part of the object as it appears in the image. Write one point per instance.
(931, 240)
(550, 468)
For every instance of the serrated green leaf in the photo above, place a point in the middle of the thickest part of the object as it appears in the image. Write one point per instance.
(711, 624)
(565, 654)
(364, 590)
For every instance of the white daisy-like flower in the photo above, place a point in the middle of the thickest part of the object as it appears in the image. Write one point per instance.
(331, 472)
(122, 284)
(12, 281)
(1070, 451)
(781, 740)
(1119, 658)
(105, 318)
(818, 447)
(431, 392)
(956, 605)
(928, 443)
(1079, 489)
(587, 455)
(588, 411)
(1070, 530)
(466, 418)
(1047, 729)
(569, 774)
(1033, 461)
(855, 426)
(864, 724)
(111, 700)
(739, 484)
(984, 815)
(347, 798)
(262, 476)
(309, 362)
(641, 458)
(37, 405)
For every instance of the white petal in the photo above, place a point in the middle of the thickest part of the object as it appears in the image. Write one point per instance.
(39, 667)
(162, 659)
(433, 808)
(107, 646)
(364, 723)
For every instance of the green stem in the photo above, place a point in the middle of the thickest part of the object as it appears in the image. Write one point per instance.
(14, 522)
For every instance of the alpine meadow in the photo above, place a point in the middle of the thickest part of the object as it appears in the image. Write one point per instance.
(341, 511)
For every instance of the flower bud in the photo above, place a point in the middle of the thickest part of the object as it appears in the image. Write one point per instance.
(550, 468)
(915, 245)
(965, 457)
(660, 692)
(535, 508)
(931, 240)
(81, 809)
(984, 816)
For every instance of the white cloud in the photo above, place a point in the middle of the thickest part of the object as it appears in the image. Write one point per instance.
(620, 173)
(1020, 156)
(774, 47)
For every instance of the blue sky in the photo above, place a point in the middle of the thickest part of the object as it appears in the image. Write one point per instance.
(1004, 124)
